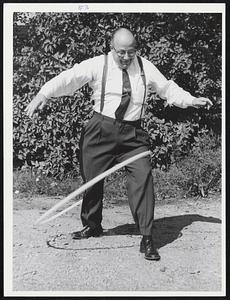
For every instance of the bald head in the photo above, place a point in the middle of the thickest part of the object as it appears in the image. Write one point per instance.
(123, 38)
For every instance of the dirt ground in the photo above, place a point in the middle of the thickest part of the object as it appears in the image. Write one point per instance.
(187, 233)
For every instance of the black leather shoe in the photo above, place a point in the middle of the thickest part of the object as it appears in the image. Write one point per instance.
(87, 232)
(147, 247)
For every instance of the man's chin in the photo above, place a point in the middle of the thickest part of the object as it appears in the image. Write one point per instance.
(124, 66)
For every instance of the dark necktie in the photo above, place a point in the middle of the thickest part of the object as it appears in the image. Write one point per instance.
(126, 96)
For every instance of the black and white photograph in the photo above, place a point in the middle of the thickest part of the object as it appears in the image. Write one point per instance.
(114, 149)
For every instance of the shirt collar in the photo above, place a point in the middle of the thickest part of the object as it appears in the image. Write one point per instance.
(114, 65)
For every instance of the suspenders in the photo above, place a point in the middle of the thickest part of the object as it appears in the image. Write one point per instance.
(144, 81)
(104, 75)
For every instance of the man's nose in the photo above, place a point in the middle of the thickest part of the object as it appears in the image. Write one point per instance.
(126, 55)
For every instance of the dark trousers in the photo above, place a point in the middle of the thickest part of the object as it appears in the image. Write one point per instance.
(105, 142)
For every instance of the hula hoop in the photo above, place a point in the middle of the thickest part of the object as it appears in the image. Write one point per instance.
(86, 186)
(75, 204)
(61, 212)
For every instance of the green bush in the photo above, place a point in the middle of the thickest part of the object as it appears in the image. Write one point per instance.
(196, 174)
(185, 47)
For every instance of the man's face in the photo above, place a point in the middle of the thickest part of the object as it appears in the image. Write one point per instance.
(123, 53)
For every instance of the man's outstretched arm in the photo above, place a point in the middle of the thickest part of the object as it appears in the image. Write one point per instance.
(170, 91)
(64, 84)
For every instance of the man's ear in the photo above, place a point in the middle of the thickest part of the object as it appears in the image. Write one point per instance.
(111, 44)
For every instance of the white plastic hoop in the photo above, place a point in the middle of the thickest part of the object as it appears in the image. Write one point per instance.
(73, 205)
(86, 186)
(61, 212)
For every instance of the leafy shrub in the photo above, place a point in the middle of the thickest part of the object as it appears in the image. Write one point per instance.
(185, 47)
(196, 174)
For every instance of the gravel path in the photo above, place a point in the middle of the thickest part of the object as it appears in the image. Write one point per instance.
(187, 233)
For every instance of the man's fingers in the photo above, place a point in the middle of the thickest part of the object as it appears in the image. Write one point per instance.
(28, 111)
(209, 102)
(37, 103)
(203, 102)
(41, 106)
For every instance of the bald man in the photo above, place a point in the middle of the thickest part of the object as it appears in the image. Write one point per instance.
(120, 81)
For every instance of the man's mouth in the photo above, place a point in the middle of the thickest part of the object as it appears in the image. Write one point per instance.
(125, 63)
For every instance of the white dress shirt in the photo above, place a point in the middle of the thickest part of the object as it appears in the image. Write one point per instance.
(90, 71)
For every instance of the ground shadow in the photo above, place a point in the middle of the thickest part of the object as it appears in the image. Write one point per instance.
(166, 230)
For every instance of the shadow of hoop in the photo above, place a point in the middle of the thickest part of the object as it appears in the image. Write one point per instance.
(166, 230)
(52, 243)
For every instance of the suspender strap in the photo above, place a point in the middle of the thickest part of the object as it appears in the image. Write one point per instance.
(103, 83)
(144, 81)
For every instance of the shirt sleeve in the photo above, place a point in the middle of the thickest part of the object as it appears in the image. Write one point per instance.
(168, 89)
(67, 82)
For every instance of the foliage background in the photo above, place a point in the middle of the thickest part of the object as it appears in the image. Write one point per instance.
(185, 47)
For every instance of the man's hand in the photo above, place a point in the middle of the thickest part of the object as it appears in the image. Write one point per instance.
(201, 102)
(37, 103)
